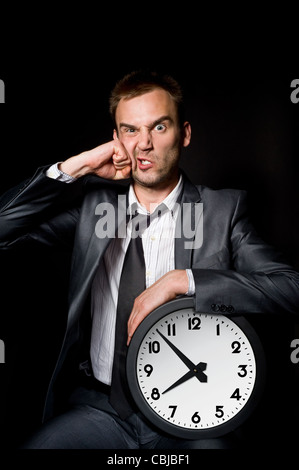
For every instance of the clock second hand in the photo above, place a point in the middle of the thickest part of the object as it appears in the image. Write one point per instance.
(194, 370)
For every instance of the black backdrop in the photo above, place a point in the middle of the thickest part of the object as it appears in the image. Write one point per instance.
(245, 134)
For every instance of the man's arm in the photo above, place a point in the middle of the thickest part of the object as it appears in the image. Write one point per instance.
(109, 161)
(167, 288)
(258, 279)
(25, 207)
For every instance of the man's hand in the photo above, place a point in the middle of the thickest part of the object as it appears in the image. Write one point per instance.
(165, 289)
(109, 161)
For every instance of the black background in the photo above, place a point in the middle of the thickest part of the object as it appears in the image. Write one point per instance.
(245, 134)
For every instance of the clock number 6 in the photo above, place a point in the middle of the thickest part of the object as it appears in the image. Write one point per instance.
(195, 418)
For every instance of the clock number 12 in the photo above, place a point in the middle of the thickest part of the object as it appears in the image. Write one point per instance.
(194, 323)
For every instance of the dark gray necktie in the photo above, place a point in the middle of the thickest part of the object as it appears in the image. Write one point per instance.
(132, 284)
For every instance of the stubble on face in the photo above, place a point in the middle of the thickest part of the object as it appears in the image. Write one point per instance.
(164, 173)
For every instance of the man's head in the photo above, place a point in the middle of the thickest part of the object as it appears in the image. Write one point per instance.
(140, 82)
(149, 121)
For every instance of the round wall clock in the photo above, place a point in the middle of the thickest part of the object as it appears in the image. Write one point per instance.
(195, 375)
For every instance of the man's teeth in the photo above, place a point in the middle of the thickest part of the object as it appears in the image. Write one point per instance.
(145, 162)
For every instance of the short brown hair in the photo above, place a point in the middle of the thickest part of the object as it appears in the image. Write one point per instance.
(139, 82)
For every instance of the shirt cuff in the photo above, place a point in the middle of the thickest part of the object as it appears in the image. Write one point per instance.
(191, 287)
(56, 174)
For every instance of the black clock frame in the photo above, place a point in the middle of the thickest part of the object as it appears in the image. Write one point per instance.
(233, 423)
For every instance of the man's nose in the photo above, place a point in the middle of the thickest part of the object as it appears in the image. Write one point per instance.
(145, 140)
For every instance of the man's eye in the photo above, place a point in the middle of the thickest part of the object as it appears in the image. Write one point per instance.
(160, 127)
(129, 130)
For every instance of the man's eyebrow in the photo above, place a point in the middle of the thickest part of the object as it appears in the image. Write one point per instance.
(161, 119)
(124, 124)
(152, 124)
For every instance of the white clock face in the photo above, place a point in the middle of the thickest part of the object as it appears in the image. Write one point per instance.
(196, 371)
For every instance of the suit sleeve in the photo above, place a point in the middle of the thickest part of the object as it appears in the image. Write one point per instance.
(39, 209)
(258, 280)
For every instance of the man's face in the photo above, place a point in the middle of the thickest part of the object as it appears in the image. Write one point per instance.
(148, 127)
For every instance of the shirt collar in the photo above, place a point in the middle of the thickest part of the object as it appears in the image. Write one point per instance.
(169, 201)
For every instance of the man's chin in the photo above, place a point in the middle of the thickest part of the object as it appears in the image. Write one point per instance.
(154, 178)
(146, 180)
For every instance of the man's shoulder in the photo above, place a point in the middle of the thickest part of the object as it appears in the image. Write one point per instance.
(222, 201)
(210, 194)
(221, 193)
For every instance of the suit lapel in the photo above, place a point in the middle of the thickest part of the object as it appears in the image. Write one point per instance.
(183, 253)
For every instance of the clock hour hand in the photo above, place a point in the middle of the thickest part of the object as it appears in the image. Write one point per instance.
(183, 379)
(196, 372)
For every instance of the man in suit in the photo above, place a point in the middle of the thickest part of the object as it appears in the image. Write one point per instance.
(68, 204)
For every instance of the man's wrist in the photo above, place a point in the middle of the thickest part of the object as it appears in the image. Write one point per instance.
(75, 166)
(191, 283)
(55, 173)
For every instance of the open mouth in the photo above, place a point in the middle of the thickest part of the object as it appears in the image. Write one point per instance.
(144, 164)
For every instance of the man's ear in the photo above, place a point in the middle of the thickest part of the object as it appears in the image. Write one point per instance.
(186, 134)
(115, 136)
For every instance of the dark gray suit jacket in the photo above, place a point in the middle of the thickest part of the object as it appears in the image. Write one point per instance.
(234, 270)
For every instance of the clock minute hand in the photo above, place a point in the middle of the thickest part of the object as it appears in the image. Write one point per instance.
(179, 353)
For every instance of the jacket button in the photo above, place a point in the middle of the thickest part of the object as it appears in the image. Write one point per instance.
(215, 307)
(223, 308)
(230, 309)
